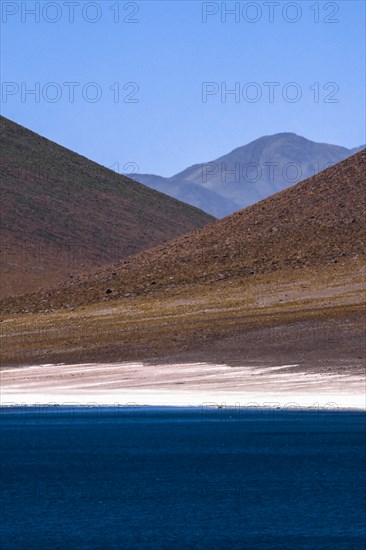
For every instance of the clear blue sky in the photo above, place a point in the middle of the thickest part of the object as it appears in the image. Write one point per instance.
(168, 53)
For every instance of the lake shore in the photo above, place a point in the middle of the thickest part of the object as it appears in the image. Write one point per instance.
(181, 385)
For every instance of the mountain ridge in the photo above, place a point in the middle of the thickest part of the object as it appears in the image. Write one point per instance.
(252, 172)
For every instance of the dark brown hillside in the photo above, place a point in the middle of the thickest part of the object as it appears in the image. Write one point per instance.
(62, 213)
(316, 223)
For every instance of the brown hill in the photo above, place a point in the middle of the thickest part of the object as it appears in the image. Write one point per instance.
(62, 213)
(315, 224)
(280, 283)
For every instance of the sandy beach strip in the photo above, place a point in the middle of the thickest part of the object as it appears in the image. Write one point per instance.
(191, 384)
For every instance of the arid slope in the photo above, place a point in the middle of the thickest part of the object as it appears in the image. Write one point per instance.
(281, 282)
(62, 213)
(315, 224)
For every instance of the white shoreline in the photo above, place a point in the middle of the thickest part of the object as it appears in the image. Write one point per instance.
(180, 385)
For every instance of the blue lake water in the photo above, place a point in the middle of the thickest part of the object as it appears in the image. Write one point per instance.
(131, 477)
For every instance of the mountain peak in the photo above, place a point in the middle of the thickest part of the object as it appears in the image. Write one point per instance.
(262, 167)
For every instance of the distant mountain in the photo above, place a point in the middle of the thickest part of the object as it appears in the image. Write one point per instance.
(250, 173)
(190, 193)
(314, 224)
(62, 213)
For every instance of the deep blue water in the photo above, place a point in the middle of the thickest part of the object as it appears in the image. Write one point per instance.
(152, 478)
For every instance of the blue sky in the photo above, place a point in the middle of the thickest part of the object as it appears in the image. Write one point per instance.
(163, 57)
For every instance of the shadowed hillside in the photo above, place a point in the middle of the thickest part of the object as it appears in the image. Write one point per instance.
(62, 213)
(315, 224)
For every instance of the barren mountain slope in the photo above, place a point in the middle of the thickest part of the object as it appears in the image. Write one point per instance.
(62, 213)
(280, 283)
(314, 224)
